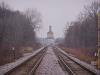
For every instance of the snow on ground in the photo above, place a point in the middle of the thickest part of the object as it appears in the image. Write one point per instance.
(5, 68)
(86, 65)
(50, 65)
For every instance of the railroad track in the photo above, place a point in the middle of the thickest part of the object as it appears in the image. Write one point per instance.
(71, 66)
(29, 66)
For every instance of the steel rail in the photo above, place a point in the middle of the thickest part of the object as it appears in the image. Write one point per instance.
(36, 65)
(68, 68)
(84, 65)
(62, 62)
(26, 60)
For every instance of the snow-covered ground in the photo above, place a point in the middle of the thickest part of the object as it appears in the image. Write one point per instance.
(86, 65)
(50, 65)
(5, 68)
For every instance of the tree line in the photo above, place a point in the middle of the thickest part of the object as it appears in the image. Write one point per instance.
(82, 33)
(17, 30)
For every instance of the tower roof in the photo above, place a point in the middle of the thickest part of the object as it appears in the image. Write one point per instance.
(50, 33)
(50, 28)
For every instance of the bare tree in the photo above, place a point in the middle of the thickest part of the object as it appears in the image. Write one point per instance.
(16, 30)
(83, 32)
(35, 17)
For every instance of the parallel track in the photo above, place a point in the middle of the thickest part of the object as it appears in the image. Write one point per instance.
(36, 65)
(71, 66)
(68, 65)
(29, 66)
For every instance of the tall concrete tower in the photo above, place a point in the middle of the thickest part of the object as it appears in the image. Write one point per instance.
(50, 34)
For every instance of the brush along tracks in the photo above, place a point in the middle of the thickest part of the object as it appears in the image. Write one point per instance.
(69, 65)
(28, 67)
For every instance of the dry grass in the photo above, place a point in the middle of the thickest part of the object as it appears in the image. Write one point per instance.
(86, 55)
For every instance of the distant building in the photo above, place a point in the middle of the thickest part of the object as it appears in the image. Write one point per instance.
(49, 40)
(50, 34)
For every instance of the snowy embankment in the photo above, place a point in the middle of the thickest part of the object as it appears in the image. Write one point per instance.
(7, 67)
(87, 66)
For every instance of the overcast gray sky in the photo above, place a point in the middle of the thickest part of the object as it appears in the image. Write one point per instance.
(54, 12)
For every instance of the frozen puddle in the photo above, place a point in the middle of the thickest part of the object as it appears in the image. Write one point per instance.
(50, 65)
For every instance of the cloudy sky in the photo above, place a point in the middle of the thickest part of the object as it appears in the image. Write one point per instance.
(54, 12)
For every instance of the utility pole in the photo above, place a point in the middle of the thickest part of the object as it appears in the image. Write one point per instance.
(98, 14)
(13, 49)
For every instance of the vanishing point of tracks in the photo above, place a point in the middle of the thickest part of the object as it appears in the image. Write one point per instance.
(70, 66)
